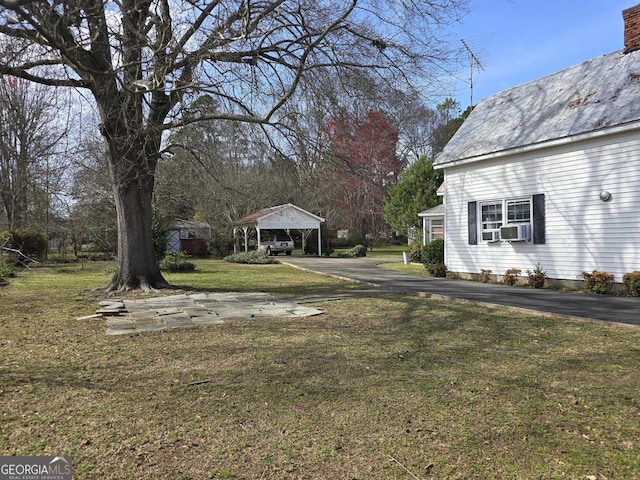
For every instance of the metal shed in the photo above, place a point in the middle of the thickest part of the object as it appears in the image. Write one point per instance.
(282, 217)
(189, 237)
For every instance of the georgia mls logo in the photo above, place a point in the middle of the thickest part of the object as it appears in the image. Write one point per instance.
(36, 468)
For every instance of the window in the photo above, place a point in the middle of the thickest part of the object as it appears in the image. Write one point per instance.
(491, 218)
(494, 215)
(518, 211)
(437, 228)
(433, 229)
(529, 211)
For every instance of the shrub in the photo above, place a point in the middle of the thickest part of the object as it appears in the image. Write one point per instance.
(253, 257)
(485, 275)
(510, 277)
(7, 271)
(433, 253)
(437, 269)
(220, 246)
(415, 253)
(537, 277)
(597, 282)
(310, 248)
(177, 262)
(357, 251)
(159, 235)
(631, 283)
(28, 241)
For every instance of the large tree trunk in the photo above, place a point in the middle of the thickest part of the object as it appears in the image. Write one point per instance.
(133, 171)
(136, 265)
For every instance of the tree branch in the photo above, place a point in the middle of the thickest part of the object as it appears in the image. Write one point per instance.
(53, 82)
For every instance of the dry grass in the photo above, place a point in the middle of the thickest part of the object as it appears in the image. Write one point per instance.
(377, 388)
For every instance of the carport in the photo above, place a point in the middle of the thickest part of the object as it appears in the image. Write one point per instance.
(282, 217)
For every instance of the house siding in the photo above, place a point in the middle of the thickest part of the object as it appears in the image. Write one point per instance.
(582, 233)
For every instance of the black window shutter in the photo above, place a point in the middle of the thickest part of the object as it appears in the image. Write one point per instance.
(538, 219)
(473, 223)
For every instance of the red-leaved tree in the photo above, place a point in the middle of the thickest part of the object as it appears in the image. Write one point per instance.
(359, 163)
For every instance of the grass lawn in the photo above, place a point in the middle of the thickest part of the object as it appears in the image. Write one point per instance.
(389, 387)
(411, 268)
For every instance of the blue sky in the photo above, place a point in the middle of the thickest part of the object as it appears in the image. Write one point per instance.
(521, 40)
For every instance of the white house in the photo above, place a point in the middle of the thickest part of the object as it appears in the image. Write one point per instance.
(549, 172)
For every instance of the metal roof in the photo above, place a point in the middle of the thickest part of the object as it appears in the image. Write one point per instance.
(598, 94)
(179, 223)
(256, 217)
(200, 230)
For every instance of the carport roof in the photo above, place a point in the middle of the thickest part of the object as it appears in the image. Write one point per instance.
(263, 215)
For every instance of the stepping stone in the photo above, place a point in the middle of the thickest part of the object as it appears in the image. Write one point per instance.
(142, 314)
(120, 322)
(106, 312)
(199, 296)
(178, 320)
(149, 324)
(108, 304)
(151, 327)
(167, 311)
(196, 311)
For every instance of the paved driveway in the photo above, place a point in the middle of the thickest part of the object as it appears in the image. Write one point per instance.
(625, 310)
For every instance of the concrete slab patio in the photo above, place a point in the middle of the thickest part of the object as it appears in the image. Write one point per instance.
(123, 317)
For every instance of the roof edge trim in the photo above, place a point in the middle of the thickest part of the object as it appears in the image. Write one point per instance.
(556, 142)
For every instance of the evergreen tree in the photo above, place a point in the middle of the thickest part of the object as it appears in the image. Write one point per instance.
(414, 192)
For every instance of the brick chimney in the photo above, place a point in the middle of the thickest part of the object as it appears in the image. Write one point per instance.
(631, 18)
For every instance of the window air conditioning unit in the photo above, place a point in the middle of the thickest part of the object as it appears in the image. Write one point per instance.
(515, 233)
(492, 237)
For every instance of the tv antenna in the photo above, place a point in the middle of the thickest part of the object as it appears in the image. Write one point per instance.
(474, 63)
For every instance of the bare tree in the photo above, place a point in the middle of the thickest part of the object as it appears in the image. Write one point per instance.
(217, 171)
(28, 138)
(142, 59)
(92, 212)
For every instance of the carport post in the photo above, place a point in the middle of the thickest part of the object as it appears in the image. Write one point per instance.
(319, 242)
(235, 240)
(246, 239)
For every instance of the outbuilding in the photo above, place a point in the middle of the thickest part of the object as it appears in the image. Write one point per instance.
(432, 223)
(189, 237)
